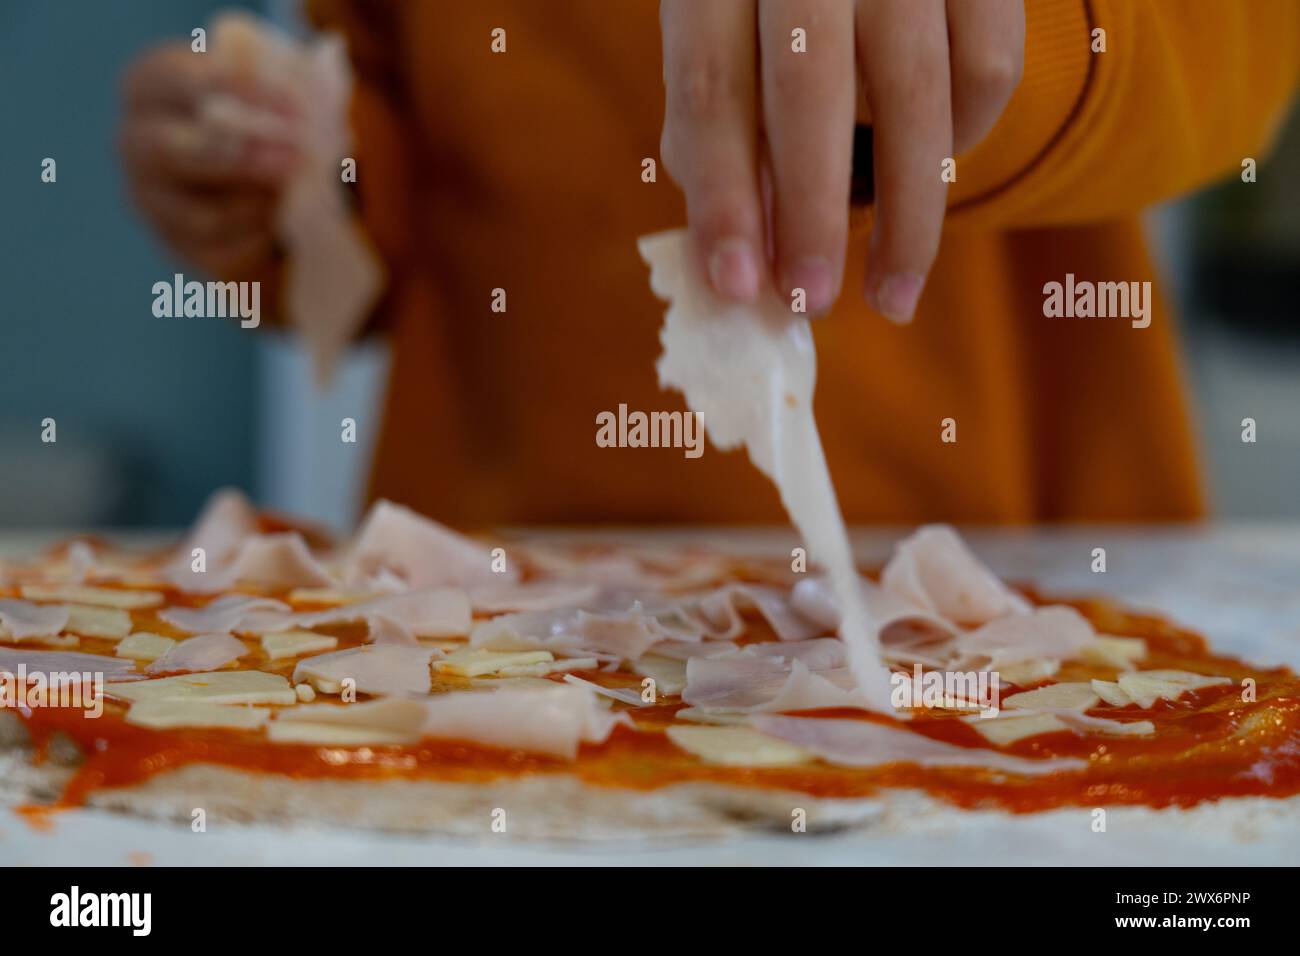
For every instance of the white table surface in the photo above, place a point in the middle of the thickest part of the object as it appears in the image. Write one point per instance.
(1237, 584)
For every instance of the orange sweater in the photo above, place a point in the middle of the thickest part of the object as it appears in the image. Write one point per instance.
(522, 171)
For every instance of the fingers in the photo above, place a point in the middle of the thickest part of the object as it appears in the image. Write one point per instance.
(808, 108)
(710, 139)
(220, 230)
(173, 147)
(987, 43)
(174, 78)
(903, 58)
(203, 217)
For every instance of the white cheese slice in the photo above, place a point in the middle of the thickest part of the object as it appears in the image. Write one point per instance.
(333, 735)
(477, 662)
(1146, 687)
(1104, 725)
(1008, 728)
(101, 597)
(625, 695)
(165, 714)
(1111, 693)
(737, 747)
(143, 646)
(559, 666)
(391, 720)
(1072, 695)
(333, 597)
(279, 645)
(61, 641)
(214, 687)
(1032, 671)
(90, 620)
(1120, 653)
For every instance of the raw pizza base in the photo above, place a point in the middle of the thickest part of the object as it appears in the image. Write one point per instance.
(557, 807)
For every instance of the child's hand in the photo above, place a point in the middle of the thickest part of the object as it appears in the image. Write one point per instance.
(935, 75)
(211, 193)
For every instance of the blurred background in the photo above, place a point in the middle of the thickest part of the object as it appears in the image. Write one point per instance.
(143, 441)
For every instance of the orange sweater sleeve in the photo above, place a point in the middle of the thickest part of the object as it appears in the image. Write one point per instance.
(1184, 91)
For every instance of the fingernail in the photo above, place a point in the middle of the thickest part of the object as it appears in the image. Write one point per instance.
(815, 277)
(733, 270)
(897, 295)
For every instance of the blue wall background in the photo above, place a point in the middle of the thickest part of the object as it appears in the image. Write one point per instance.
(152, 413)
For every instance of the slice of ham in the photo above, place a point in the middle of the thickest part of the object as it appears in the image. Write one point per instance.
(548, 720)
(434, 612)
(278, 561)
(47, 662)
(80, 562)
(722, 611)
(934, 570)
(664, 569)
(750, 370)
(20, 619)
(226, 520)
(424, 553)
(332, 273)
(622, 694)
(206, 652)
(1054, 633)
(384, 630)
(397, 715)
(389, 669)
(685, 650)
(759, 674)
(625, 635)
(908, 634)
(240, 613)
(500, 598)
(805, 689)
(859, 743)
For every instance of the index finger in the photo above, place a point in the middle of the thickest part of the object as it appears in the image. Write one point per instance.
(903, 56)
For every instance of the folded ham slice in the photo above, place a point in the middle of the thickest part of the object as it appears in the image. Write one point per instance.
(422, 552)
(1056, 632)
(754, 677)
(48, 662)
(226, 520)
(625, 634)
(498, 598)
(860, 743)
(721, 610)
(432, 612)
(23, 619)
(232, 613)
(277, 561)
(206, 652)
(935, 571)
